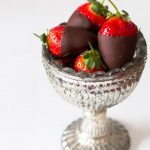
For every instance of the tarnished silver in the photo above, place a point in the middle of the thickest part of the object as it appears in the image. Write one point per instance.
(94, 93)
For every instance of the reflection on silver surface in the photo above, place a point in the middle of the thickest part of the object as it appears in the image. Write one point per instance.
(94, 93)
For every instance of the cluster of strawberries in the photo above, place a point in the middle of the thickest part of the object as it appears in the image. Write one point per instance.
(97, 38)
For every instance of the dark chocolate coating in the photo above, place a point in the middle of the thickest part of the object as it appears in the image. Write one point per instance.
(63, 23)
(78, 20)
(75, 40)
(117, 51)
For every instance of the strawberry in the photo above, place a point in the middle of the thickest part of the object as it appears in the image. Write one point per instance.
(89, 61)
(117, 39)
(67, 61)
(89, 16)
(54, 38)
(63, 40)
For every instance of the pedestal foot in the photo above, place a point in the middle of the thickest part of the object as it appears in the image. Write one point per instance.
(74, 139)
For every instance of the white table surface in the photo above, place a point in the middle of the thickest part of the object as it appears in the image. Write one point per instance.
(32, 115)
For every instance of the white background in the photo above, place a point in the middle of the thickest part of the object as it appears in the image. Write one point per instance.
(32, 115)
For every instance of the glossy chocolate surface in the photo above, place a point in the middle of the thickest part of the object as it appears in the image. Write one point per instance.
(78, 20)
(117, 51)
(75, 40)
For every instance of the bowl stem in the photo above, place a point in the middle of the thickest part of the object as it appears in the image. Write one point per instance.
(95, 125)
(95, 132)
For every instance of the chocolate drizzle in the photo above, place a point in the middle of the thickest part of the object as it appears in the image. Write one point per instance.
(78, 20)
(75, 40)
(117, 51)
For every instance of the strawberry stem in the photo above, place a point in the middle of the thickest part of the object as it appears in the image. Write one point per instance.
(103, 1)
(117, 10)
(91, 47)
(37, 35)
(42, 37)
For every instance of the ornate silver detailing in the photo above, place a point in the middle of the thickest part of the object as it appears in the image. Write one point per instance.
(94, 93)
(118, 139)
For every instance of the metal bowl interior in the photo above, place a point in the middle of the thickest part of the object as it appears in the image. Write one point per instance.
(99, 90)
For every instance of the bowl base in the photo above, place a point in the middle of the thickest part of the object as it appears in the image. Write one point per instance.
(73, 139)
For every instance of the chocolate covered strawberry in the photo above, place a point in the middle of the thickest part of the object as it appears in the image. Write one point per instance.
(63, 40)
(89, 16)
(89, 61)
(117, 39)
(67, 61)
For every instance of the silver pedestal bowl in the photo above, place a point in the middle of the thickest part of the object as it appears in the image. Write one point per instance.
(94, 93)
